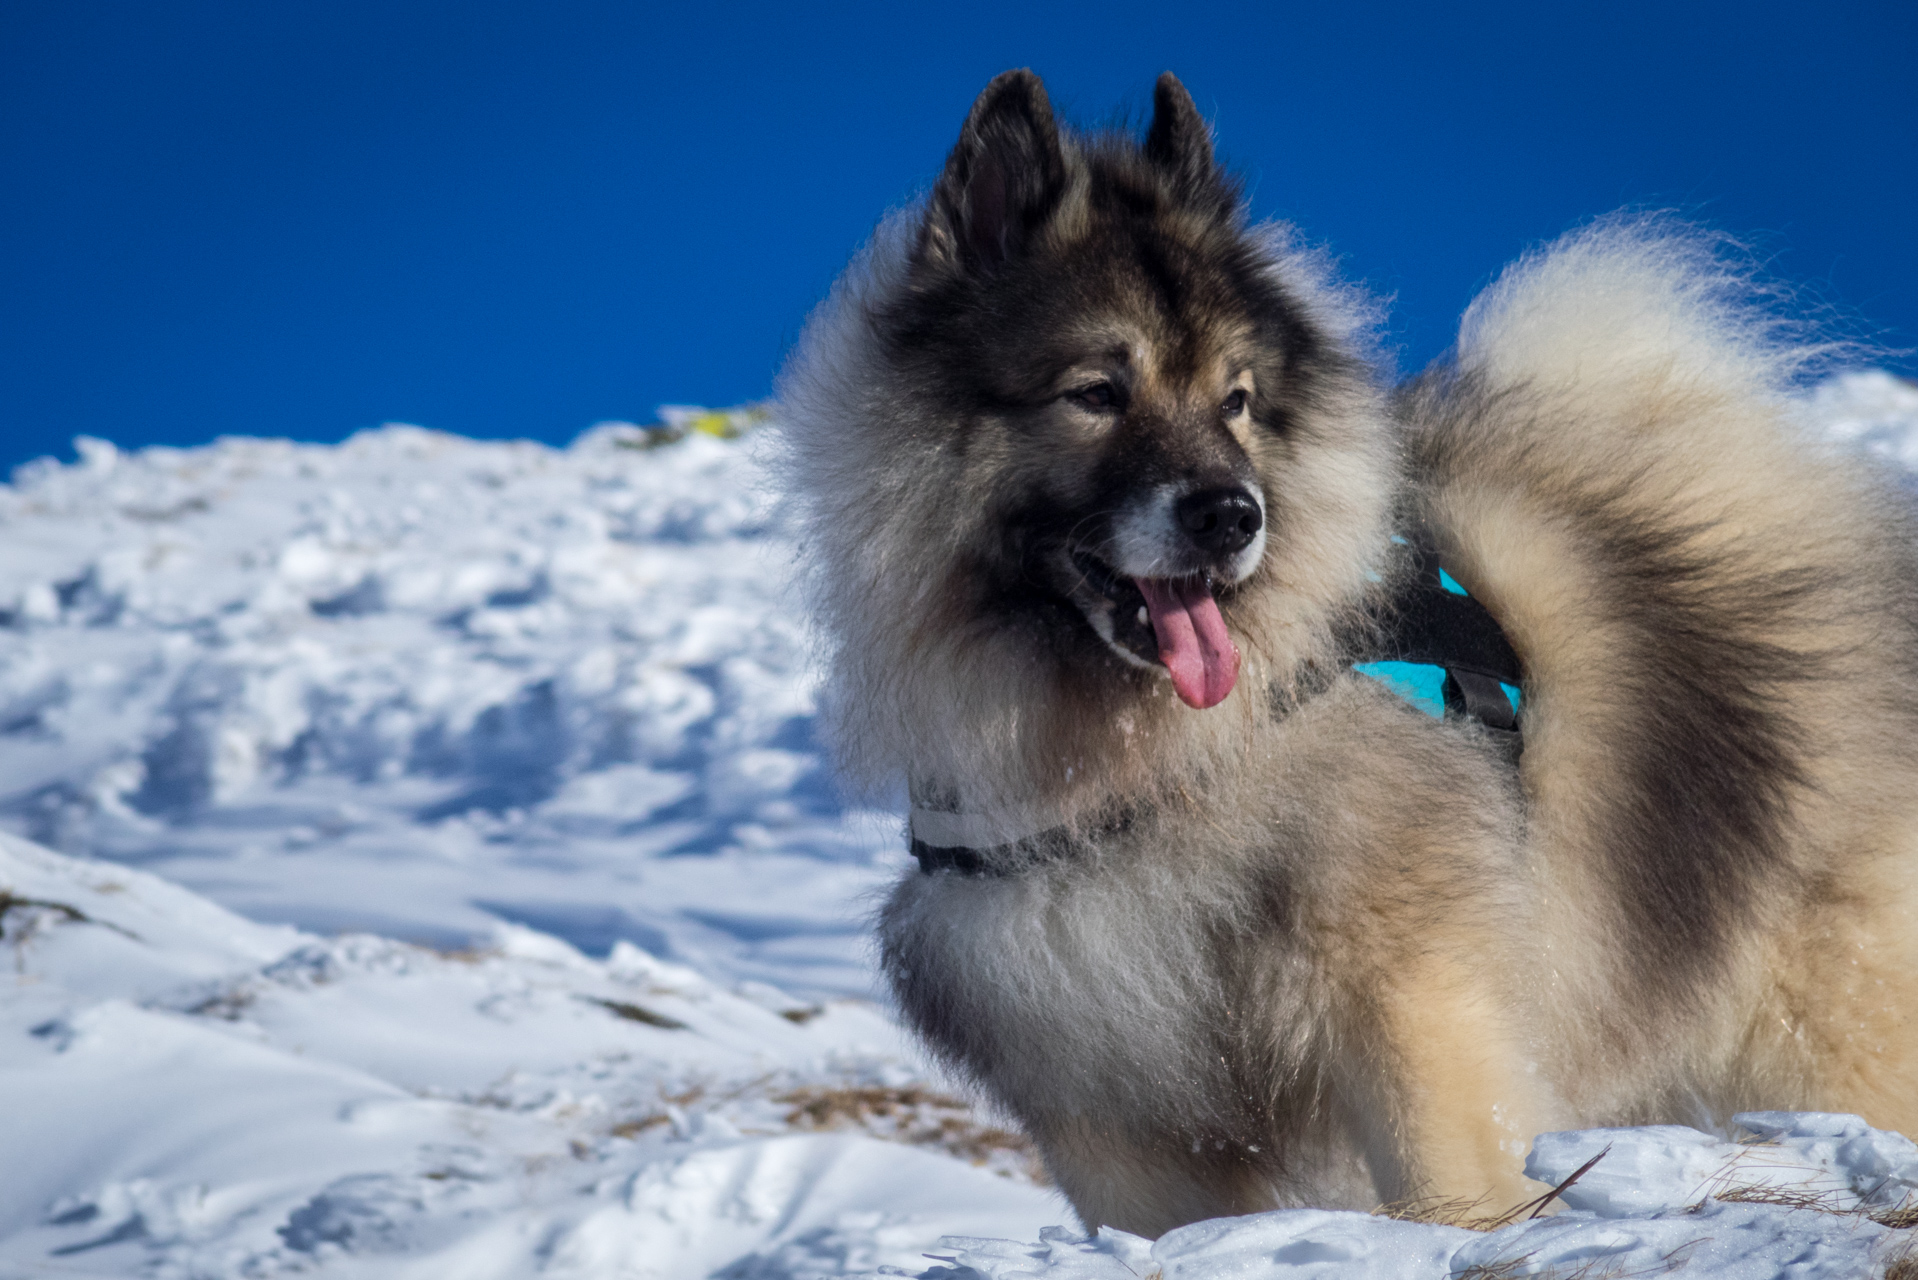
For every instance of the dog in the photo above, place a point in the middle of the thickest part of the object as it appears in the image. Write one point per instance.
(1103, 493)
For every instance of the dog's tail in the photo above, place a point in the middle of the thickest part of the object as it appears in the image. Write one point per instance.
(1714, 609)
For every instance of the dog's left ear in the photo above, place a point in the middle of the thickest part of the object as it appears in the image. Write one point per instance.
(1003, 179)
(1179, 143)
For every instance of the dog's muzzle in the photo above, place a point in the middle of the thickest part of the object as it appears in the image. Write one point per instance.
(1150, 590)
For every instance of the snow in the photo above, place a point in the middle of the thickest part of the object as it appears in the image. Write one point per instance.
(1837, 1160)
(1794, 1201)
(1871, 409)
(437, 875)
(415, 684)
(201, 1095)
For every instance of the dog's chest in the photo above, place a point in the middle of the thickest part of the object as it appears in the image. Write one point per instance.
(1077, 989)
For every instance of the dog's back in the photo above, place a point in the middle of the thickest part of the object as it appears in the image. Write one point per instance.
(1715, 612)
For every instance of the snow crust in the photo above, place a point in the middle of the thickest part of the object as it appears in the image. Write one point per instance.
(438, 876)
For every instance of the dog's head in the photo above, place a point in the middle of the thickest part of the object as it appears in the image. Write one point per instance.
(1094, 313)
(1070, 427)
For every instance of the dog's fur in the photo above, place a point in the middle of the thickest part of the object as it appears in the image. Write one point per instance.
(1309, 946)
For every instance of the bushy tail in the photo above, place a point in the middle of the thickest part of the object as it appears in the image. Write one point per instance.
(1628, 297)
(1714, 609)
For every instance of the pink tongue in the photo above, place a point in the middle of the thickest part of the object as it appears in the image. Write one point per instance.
(1193, 642)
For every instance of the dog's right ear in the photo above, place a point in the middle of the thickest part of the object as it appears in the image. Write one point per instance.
(1179, 142)
(1001, 181)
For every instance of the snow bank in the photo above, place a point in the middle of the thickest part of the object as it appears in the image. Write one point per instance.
(1797, 1201)
(417, 685)
(192, 1094)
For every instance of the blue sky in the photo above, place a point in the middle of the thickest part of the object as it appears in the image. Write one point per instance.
(301, 219)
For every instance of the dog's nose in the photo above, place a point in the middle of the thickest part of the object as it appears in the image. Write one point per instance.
(1220, 522)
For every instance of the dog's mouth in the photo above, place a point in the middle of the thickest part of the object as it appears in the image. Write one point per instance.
(1172, 624)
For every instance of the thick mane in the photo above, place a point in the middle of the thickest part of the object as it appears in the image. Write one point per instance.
(899, 478)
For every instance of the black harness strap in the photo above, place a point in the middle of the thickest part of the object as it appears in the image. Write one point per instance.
(1426, 623)
(1000, 859)
(967, 862)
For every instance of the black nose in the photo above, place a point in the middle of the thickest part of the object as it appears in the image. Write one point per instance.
(1219, 521)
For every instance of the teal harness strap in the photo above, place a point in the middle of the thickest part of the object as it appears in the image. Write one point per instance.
(1441, 650)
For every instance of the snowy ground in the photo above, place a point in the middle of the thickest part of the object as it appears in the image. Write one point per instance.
(416, 685)
(548, 950)
(1807, 1196)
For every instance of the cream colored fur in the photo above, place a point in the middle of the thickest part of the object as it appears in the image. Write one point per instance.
(1631, 354)
(919, 682)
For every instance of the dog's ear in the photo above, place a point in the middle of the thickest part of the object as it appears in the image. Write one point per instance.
(1179, 143)
(1001, 181)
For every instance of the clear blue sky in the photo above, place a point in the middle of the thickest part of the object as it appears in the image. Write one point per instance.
(298, 218)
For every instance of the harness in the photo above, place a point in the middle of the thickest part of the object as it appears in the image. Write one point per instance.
(1436, 639)
(1435, 646)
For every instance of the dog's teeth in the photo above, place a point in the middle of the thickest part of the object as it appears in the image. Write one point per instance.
(1144, 617)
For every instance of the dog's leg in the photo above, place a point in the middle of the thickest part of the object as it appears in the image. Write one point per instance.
(1834, 1030)
(1439, 1092)
(1147, 1185)
(1444, 1093)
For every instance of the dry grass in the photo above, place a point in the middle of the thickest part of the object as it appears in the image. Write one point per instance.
(915, 1116)
(1434, 1211)
(1903, 1218)
(11, 902)
(636, 1013)
(675, 1104)
(1471, 1214)
(228, 1005)
(640, 1124)
(724, 424)
(1596, 1269)
(912, 1115)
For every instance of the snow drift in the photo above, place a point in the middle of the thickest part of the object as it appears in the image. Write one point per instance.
(417, 684)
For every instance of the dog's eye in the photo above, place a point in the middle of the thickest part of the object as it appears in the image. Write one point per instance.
(1234, 404)
(1100, 395)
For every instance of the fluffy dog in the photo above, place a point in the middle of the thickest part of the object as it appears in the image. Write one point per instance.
(1103, 494)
